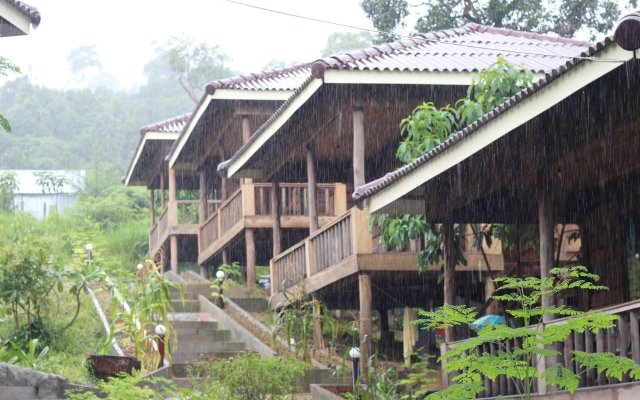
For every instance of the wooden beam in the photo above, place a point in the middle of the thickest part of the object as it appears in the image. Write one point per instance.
(358, 148)
(275, 212)
(251, 258)
(312, 189)
(366, 306)
(449, 273)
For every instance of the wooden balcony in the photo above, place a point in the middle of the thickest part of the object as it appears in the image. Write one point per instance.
(250, 207)
(623, 339)
(186, 215)
(343, 248)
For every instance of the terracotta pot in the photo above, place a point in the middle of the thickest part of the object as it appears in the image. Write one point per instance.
(105, 367)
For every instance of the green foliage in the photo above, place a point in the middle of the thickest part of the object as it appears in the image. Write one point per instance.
(420, 381)
(516, 362)
(562, 17)
(34, 357)
(128, 387)
(247, 376)
(381, 383)
(6, 67)
(429, 126)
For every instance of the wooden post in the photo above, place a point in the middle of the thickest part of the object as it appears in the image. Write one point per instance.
(449, 273)
(152, 206)
(174, 253)
(173, 219)
(223, 180)
(312, 189)
(246, 134)
(202, 211)
(275, 212)
(545, 221)
(162, 190)
(251, 258)
(366, 306)
(358, 148)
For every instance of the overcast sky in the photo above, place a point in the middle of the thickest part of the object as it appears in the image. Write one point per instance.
(124, 32)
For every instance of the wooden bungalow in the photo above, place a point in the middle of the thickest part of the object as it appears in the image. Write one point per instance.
(17, 18)
(174, 222)
(561, 151)
(239, 229)
(341, 125)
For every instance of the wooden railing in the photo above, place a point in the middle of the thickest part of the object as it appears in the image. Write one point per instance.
(254, 199)
(158, 230)
(294, 199)
(346, 236)
(623, 339)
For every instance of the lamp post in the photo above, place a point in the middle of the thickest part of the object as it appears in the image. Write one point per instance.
(220, 277)
(355, 355)
(160, 331)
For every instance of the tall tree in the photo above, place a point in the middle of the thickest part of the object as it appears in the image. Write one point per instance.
(6, 67)
(191, 63)
(563, 17)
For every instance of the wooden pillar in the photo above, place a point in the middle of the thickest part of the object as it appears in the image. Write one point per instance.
(275, 212)
(202, 210)
(173, 219)
(251, 258)
(223, 179)
(366, 306)
(152, 206)
(173, 241)
(162, 190)
(545, 222)
(449, 272)
(358, 148)
(246, 134)
(312, 189)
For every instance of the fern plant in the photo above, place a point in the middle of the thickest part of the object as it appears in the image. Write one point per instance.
(516, 363)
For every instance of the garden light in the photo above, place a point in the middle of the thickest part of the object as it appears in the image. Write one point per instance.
(355, 355)
(160, 331)
(220, 274)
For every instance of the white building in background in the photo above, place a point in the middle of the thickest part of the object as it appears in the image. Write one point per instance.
(32, 197)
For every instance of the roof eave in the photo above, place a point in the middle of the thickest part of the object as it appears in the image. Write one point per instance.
(20, 23)
(380, 195)
(148, 136)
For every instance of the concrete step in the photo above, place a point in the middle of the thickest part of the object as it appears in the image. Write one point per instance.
(18, 393)
(188, 306)
(208, 347)
(183, 382)
(180, 325)
(204, 335)
(182, 358)
(252, 304)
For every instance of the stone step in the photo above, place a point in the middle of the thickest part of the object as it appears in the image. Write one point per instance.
(182, 382)
(187, 306)
(208, 335)
(208, 347)
(182, 358)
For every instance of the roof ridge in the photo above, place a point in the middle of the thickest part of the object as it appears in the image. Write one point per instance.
(165, 123)
(527, 34)
(272, 73)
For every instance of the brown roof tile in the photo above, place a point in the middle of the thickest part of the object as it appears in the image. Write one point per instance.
(171, 125)
(465, 49)
(289, 78)
(31, 12)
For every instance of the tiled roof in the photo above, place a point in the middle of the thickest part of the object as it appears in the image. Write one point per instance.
(466, 49)
(289, 78)
(31, 12)
(370, 188)
(175, 125)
